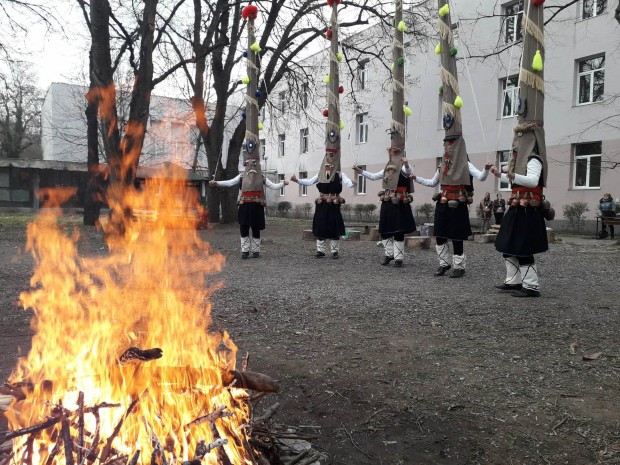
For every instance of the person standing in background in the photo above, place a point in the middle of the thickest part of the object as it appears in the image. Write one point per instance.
(607, 207)
(499, 207)
(486, 207)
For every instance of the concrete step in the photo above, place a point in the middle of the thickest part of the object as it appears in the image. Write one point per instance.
(485, 238)
(418, 242)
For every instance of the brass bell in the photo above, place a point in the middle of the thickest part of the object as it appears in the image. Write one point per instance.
(462, 199)
(524, 202)
(453, 203)
(443, 199)
(514, 202)
(534, 203)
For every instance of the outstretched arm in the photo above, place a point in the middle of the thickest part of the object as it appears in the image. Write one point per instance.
(306, 182)
(228, 183)
(479, 175)
(272, 185)
(534, 169)
(427, 182)
(347, 181)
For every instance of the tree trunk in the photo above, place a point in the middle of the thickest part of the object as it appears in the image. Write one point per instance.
(93, 198)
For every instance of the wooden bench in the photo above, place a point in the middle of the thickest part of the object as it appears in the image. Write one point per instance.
(363, 228)
(606, 221)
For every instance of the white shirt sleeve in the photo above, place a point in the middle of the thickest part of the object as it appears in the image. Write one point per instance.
(230, 182)
(406, 170)
(309, 182)
(428, 182)
(373, 176)
(272, 185)
(534, 168)
(345, 180)
(479, 175)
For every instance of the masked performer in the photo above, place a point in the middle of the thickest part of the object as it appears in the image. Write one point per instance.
(455, 173)
(252, 195)
(396, 217)
(523, 233)
(328, 223)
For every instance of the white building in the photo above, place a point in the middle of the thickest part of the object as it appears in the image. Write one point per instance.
(582, 104)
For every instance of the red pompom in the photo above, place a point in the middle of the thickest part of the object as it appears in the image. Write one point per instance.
(341, 90)
(332, 2)
(328, 34)
(325, 112)
(538, 2)
(250, 11)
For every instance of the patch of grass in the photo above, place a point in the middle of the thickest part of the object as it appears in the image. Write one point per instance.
(21, 219)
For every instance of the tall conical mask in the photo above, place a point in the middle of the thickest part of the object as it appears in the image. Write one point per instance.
(392, 169)
(529, 133)
(252, 176)
(454, 165)
(331, 160)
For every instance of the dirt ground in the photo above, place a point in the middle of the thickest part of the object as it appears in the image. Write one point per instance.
(395, 366)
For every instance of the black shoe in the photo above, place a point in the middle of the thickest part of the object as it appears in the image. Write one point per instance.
(442, 270)
(335, 255)
(319, 255)
(255, 254)
(457, 273)
(245, 255)
(386, 260)
(525, 293)
(398, 263)
(508, 287)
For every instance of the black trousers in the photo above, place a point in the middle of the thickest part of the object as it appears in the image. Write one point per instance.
(457, 246)
(399, 236)
(522, 260)
(244, 231)
(499, 217)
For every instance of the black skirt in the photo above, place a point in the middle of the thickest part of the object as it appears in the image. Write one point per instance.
(396, 218)
(252, 214)
(523, 232)
(327, 222)
(452, 223)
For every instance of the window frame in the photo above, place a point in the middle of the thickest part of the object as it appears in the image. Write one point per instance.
(263, 147)
(361, 128)
(591, 73)
(282, 101)
(588, 157)
(514, 90)
(281, 178)
(362, 75)
(500, 164)
(595, 13)
(304, 140)
(360, 189)
(517, 17)
(305, 96)
(281, 145)
(303, 190)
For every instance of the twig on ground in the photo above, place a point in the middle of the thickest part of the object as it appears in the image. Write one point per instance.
(353, 442)
(373, 415)
(558, 424)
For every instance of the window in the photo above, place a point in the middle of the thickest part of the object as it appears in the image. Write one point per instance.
(282, 102)
(262, 148)
(362, 128)
(303, 190)
(587, 167)
(592, 8)
(305, 95)
(281, 179)
(305, 139)
(361, 182)
(510, 96)
(513, 16)
(362, 75)
(281, 142)
(591, 80)
(503, 157)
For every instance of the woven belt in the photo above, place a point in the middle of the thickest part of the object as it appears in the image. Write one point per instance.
(251, 197)
(526, 196)
(329, 198)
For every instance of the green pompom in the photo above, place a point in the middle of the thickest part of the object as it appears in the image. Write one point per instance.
(458, 101)
(341, 124)
(339, 56)
(438, 49)
(245, 80)
(327, 79)
(392, 67)
(401, 61)
(444, 10)
(260, 126)
(537, 63)
(402, 26)
(440, 90)
(255, 47)
(407, 110)
(453, 51)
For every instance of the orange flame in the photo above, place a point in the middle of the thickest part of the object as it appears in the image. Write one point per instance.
(148, 291)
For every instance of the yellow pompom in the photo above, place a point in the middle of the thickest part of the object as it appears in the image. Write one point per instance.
(327, 79)
(537, 63)
(402, 26)
(260, 126)
(245, 80)
(458, 101)
(444, 10)
(339, 56)
(255, 47)
(341, 124)
(438, 49)
(407, 110)
(392, 67)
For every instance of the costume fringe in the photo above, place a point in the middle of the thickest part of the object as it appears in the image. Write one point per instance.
(448, 79)
(445, 31)
(530, 79)
(529, 27)
(448, 108)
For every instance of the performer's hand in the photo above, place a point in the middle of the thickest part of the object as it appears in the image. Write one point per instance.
(357, 169)
(510, 176)
(488, 165)
(285, 182)
(413, 176)
(213, 183)
(495, 171)
(354, 183)
(294, 178)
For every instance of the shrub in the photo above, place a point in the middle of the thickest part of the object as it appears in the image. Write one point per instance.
(298, 211)
(346, 209)
(426, 211)
(575, 214)
(270, 210)
(359, 210)
(284, 207)
(306, 208)
(369, 210)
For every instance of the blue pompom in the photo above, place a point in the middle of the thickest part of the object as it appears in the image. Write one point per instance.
(258, 94)
(243, 115)
(245, 54)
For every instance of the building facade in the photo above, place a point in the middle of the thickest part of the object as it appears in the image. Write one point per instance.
(582, 104)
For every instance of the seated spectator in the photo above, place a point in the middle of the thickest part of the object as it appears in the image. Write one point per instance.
(607, 208)
(499, 207)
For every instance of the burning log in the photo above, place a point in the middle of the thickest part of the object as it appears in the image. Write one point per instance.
(221, 453)
(117, 429)
(80, 445)
(250, 380)
(217, 413)
(66, 439)
(29, 430)
(135, 354)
